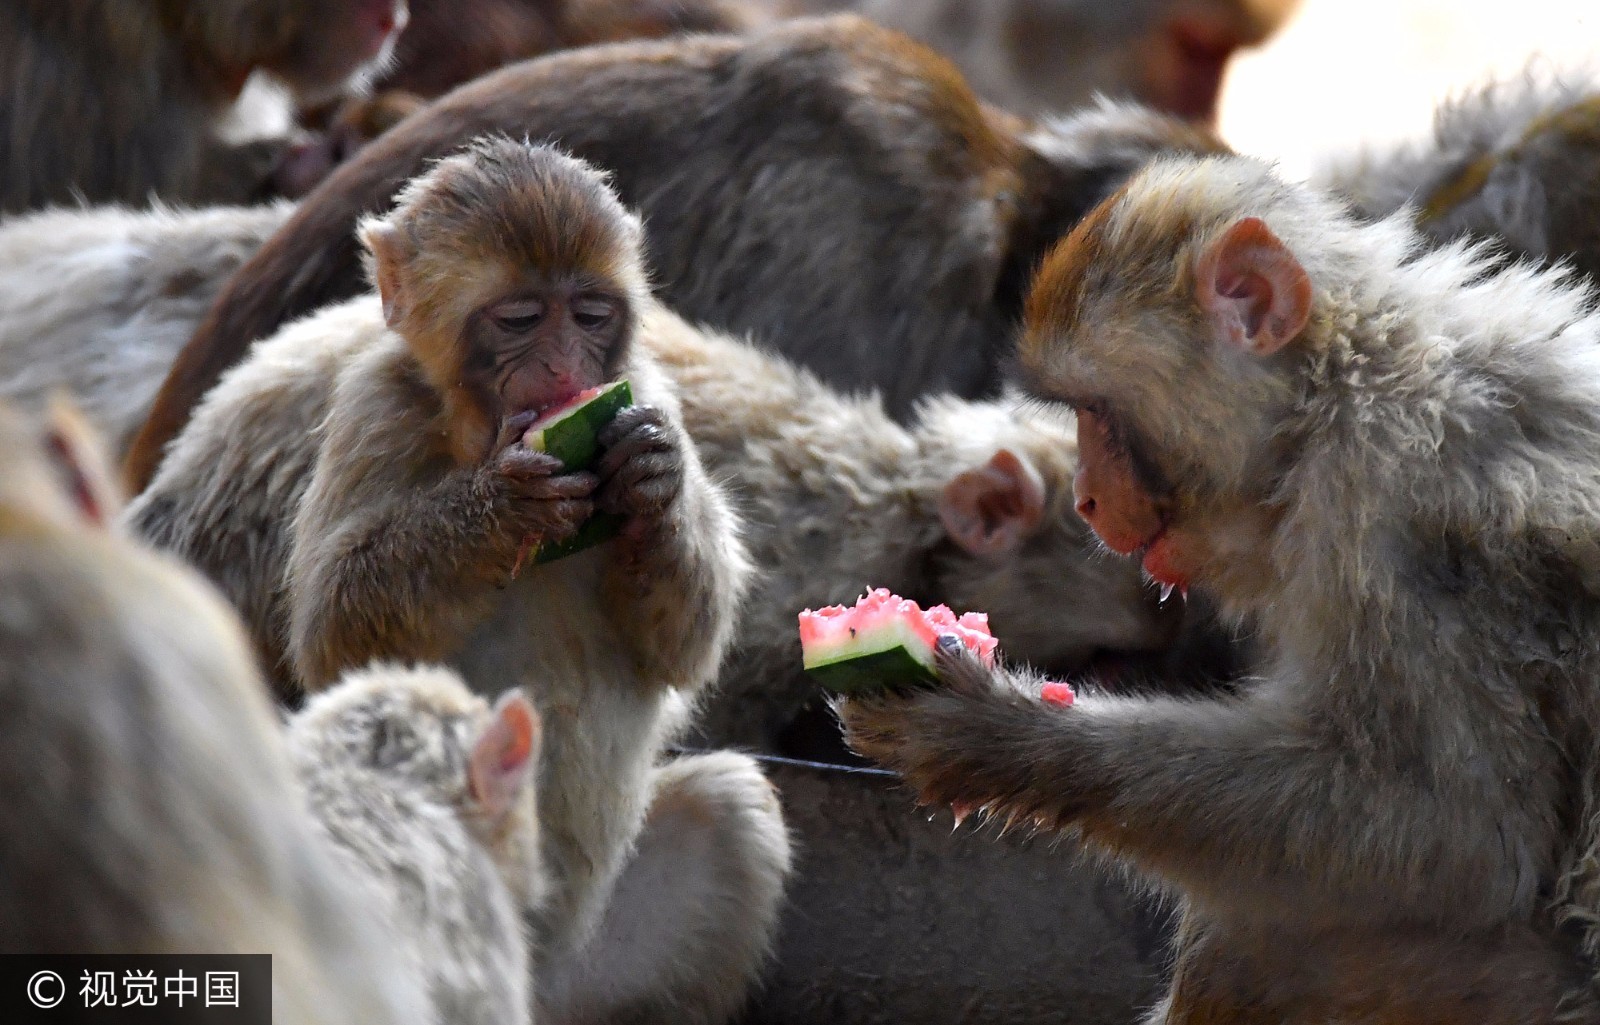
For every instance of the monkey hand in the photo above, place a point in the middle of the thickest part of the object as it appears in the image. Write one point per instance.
(641, 472)
(536, 500)
(959, 744)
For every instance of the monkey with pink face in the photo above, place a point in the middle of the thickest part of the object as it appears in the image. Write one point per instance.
(1387, 456)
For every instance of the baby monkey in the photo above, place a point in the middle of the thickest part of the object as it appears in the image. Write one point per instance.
(428, 791)
(360, 488)
(1386, 456)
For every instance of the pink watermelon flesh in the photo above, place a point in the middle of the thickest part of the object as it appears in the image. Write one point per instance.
(563, 406)
(884, 640)
(1060, 694)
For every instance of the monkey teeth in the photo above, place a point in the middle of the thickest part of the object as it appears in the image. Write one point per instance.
(1166, 592)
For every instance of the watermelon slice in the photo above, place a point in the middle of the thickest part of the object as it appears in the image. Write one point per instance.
(884, 641)
(571, 433)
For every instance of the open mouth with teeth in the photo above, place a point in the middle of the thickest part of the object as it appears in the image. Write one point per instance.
(1158, 559)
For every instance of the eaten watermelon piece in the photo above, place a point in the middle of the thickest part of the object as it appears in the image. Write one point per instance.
(884, 642)
(571, 433)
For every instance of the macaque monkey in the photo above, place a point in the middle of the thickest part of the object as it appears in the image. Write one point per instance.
(971, 506)
(119, 100)
(427, 793)
(750, 158)
(150, 807)
(1040, 56)
(1517, 161)
(448, 42)
(360, 488)
(1385, 455)
(97, 302)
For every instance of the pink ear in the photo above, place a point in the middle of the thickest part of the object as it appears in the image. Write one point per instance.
(504, 754)
(1254, 289)
(80, 464)
(990, 510)
(389, 258)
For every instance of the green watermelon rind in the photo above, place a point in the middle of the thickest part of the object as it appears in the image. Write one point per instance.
(602, 526)
(573, 436)
(890, 655)
(873, 672)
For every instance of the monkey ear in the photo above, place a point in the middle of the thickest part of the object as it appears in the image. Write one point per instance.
(390, 258)
(80, 463)
(504, 755)
(990, 510)
(1253, 288)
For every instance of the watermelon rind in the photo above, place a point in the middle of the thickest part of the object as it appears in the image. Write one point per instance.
(602, 526)
(894, 669)
(889, 655)
(573, 435)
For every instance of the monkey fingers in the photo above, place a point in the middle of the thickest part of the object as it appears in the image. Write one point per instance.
(641, 471)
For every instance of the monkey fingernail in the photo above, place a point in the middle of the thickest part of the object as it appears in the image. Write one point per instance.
(950, 646)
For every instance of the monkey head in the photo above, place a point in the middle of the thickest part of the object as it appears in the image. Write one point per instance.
(423, 731)
(1172, 319)
(335, 44)
(1003, 474)
(516, 276)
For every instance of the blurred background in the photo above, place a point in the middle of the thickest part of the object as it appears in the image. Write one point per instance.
(1348, 72)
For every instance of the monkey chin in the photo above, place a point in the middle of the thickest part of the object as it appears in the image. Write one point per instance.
(1163, 562)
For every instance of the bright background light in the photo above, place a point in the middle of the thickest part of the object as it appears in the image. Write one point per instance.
(1346, 72)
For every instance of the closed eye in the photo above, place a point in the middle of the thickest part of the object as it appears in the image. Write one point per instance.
(591, 313)
(519, 317)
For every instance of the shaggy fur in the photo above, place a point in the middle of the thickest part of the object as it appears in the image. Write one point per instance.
(99, 301)
(313, 487)
(150, 807)
(384, 758)
(1516, 160)
(119, 100)
(1396, 822)
(838, 498)
(762, 165)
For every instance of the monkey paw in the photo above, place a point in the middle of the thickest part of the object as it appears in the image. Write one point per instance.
(641, 472)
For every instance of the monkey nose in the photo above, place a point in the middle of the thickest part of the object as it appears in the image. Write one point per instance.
(1086, 507)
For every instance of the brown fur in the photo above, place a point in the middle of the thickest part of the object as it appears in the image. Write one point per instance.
(1386, 457)
(151, 805)
(119, 100)
(365, 532)
(761, 165)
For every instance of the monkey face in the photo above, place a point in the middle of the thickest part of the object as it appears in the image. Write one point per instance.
(344, 40)
(1164, 332)
(543, 344)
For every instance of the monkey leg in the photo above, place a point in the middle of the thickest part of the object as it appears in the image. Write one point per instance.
(691, 918)
(1371, 976)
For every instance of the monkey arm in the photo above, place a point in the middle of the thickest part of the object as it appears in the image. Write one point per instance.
(400, 576)
(1235, 800)
(676, 585)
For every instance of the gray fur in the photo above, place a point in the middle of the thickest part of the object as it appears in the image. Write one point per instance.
(1395, 822)
(839, 498)
(384, 759)
(98, 301)
(150, 806)
(1538, 139)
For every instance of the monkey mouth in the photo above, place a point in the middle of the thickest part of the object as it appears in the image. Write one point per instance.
(1159, 562)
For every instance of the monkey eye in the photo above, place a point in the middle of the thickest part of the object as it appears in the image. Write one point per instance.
(593, 313)
(520, 316)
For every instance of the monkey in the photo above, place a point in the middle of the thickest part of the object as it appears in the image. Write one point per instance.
(116, 100)
(151, 808)
(427, 792)
(360, 490)
(761, 164)
(1036, 57)
(445, 44)
(1511, 160)
(1383, 453)
(971, 506)
(97, 302)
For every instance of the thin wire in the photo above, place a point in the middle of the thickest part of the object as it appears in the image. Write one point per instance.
(797, 763)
